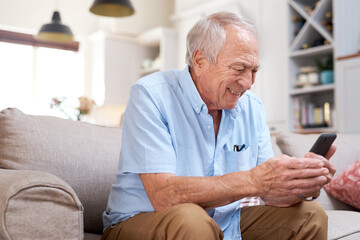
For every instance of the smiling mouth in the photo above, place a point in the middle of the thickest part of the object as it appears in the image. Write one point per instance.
(234, 92)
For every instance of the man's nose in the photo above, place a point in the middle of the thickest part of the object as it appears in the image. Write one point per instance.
(247, 80)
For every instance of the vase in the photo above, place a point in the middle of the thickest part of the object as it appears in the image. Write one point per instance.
(327, 77)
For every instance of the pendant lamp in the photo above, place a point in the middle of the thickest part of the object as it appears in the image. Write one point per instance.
(55, 31)
(112, 8)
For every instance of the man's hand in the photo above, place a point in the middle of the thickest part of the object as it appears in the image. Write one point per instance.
(284, 176)
(325, 160)
(327, 164)
(292, 197)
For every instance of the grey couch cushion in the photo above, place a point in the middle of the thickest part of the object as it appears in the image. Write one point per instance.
(83, 155)
(347, 152)
(38, 205)
(276, 149)
(344, 225)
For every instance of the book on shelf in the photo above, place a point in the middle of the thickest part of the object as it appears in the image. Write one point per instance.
(308, 114)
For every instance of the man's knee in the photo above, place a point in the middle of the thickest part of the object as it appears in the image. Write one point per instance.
(313, 210)
(190, 221)
(316, 221)
(306, 220)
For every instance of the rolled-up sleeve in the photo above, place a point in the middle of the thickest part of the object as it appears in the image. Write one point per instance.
(147, 145)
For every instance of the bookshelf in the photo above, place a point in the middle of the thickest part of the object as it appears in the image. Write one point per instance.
(320, 31)
(312, 104)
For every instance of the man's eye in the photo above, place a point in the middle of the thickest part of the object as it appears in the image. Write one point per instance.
(254, 71)
(239, 70)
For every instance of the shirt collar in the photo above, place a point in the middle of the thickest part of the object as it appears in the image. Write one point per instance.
(235, 112)
(189, 88)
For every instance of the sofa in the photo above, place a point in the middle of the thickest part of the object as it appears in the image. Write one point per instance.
(56, 175)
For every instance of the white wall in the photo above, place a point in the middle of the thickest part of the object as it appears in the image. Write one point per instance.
(272, 85)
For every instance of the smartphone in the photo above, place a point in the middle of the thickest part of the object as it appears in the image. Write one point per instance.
(323, 143)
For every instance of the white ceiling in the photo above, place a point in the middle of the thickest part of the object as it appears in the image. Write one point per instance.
(29, 15)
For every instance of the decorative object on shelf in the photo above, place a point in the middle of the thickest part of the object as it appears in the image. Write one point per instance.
(305, 46)
(299, 23)
(308, 76)
(55, 31)
(327, 77)
(112, 8)
(327, 22)
(317, 42)
(75, 113)
(326, 70)
(310, 9)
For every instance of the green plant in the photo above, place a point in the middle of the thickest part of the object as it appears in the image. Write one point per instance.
(71, 112)
(328, 64)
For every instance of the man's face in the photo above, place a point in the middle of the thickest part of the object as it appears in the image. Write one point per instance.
(221, 85)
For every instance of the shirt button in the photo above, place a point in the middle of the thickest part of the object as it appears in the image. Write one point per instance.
(197, 109)
(209, 126)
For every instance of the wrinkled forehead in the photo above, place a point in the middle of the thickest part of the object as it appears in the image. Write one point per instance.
(239, 42)
(239, 35)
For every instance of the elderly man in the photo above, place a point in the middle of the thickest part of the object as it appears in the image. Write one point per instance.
(196, 153)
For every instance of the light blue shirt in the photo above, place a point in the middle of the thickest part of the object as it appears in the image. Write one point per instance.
(167, 129)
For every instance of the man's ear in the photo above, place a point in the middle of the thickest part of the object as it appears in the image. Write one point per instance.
(199, 61)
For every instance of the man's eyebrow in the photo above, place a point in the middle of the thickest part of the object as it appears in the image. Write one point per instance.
(242, 64)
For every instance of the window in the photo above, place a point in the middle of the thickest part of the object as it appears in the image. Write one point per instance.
(16, 75)
(31, 75)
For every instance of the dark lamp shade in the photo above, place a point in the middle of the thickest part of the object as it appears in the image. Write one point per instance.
(112, 8)
(55, 31)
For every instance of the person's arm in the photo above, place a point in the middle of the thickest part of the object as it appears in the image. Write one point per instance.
(276, 178)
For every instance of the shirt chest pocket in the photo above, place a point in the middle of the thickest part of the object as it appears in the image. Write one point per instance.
(239, 161)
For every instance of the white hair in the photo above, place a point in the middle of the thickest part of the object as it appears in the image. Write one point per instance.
(208, 35)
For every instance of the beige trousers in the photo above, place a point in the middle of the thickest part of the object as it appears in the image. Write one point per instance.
(306, 220)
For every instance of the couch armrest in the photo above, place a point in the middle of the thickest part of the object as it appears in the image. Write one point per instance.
(38, 205)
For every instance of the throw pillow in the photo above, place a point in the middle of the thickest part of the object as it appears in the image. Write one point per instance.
(346, 186)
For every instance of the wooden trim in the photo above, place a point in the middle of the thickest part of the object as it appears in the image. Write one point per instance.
(28, 39)
(348, 56)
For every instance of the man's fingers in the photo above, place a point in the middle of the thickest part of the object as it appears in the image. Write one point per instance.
(302, 186)
(331, 152)
(308, 173)
(301, 163)
(326, 162)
